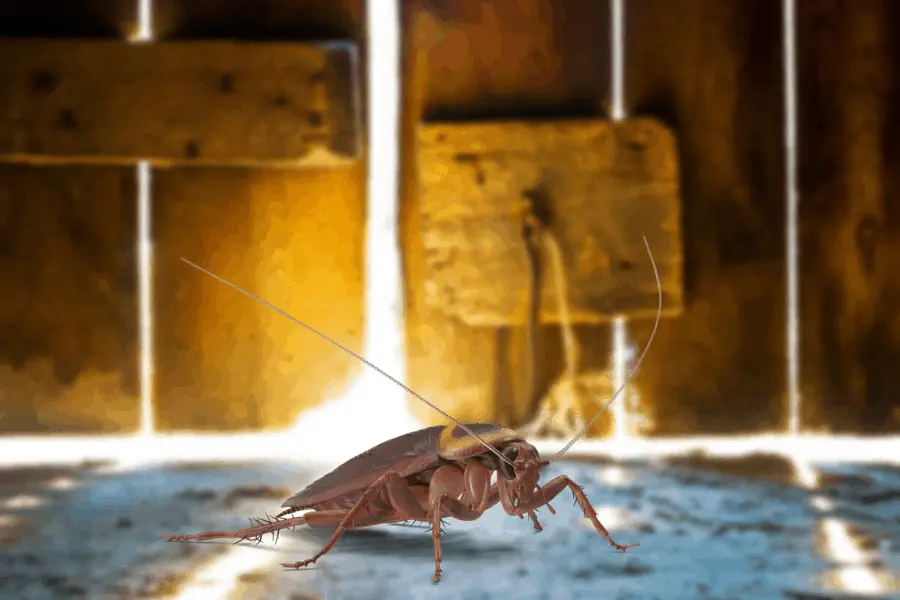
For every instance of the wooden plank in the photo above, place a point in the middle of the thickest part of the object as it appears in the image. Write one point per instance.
(602, 186)
(488, 59)
(68, 298)
(711, 70)
(850, 223)
(208, 103)
(294, 238)
(68, 306)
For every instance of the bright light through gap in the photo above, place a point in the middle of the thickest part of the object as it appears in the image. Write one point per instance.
(617, 53)
(384, 300)
(145, 287)
(378, 408)
(145, 256)
(792, 200)
(617, 112)
(144, 32)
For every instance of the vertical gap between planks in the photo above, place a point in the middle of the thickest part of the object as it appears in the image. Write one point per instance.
(143, 173)
(617, 113)
(792, 201)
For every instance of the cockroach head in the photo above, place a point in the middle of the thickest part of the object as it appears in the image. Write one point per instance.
(520, 479)
(522, 457)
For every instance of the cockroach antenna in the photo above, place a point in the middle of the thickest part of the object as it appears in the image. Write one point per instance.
(368, 363)
(609, 402)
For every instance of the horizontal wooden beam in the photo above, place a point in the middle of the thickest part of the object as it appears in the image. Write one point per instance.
(176, 103)
(600, 187)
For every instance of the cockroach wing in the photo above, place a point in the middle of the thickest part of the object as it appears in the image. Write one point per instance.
(406, 455)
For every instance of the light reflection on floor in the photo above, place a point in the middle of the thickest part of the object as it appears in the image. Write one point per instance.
(856, 570)
(219, 577)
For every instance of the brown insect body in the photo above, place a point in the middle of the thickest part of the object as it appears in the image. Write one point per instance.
(409, 455)
(425, 475)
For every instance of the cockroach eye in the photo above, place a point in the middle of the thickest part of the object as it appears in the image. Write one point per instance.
(509, 453)
(507, 471)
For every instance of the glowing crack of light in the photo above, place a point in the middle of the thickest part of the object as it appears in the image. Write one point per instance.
(23, 451)
(144, 31)
(375, 409)
(145, 298)
(621, 354)
(142, 34)
(619, 409)
(617, 58)
(792, 254)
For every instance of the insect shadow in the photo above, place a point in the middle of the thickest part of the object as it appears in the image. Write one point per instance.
(381, 541)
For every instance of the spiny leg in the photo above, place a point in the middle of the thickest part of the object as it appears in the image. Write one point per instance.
(402, 499)
(436, 537)
(448, 506)
(534, 519)
(255, 532)
(315, 518)
(558, 484)
(463, 494)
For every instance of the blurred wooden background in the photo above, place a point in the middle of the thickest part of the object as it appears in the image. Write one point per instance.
(709, 70)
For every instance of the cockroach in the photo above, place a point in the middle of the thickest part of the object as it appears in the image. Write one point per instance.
(426, 475)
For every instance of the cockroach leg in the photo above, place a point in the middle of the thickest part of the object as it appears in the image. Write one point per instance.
(534, 519)
(436, 537)
(447, 506)
(546, 502)
(558, 484)
(401, 498)
(250, 533)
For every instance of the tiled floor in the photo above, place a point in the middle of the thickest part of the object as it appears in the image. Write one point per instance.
(708, 530)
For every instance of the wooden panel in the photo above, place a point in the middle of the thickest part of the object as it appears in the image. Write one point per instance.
(293, 237)
(850, 216)
(476, 60)
(68, 302)
(68, 307)
(711, 70)
(222, 103)
(601, 186)
(491, 58)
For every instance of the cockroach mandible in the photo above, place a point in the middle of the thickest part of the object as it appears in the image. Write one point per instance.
(426, 475)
